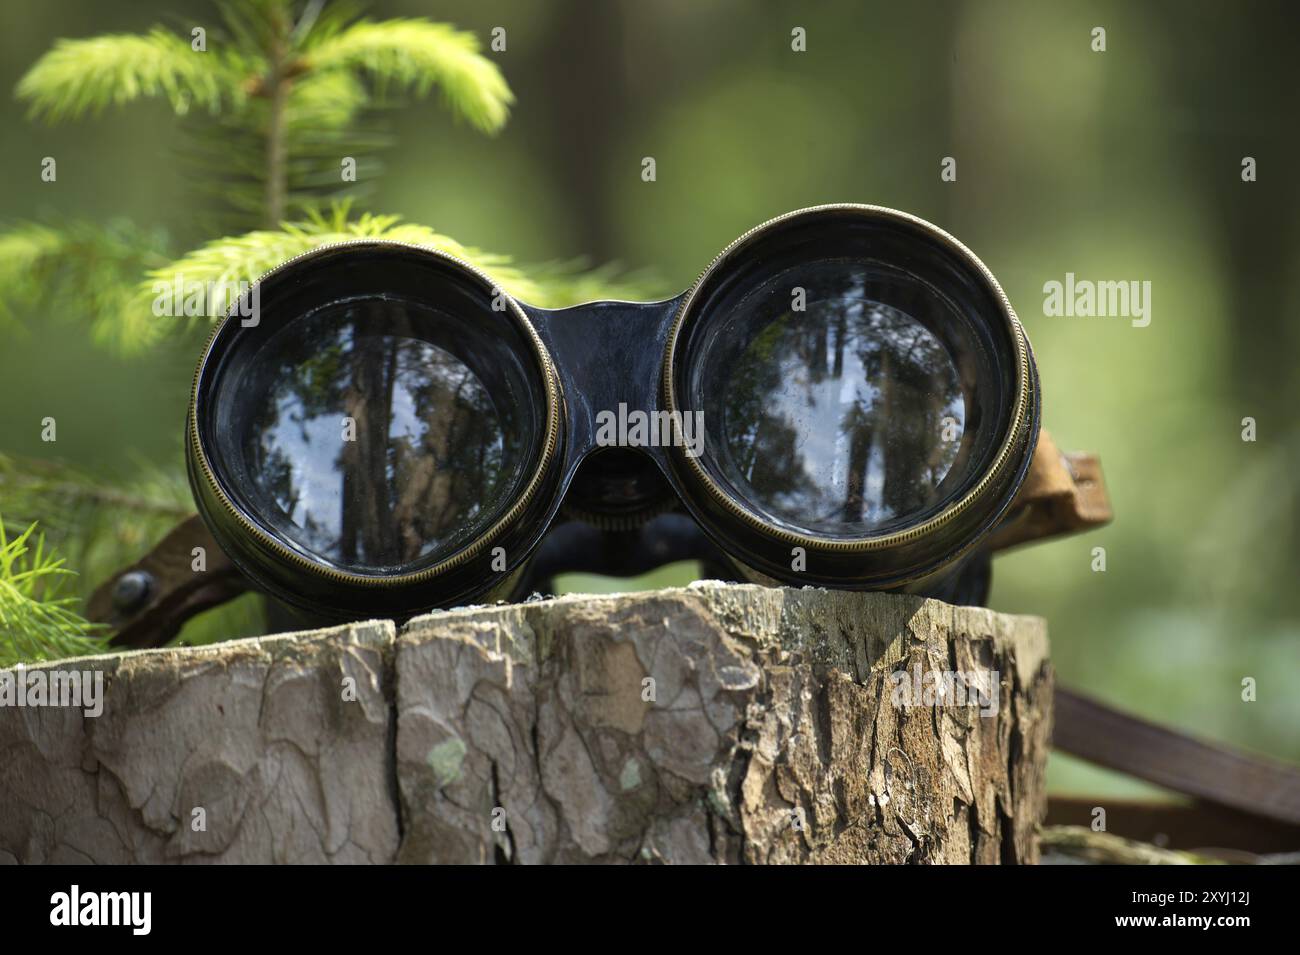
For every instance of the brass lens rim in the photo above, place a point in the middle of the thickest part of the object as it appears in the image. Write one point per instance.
(277, 549)
(1014, 443)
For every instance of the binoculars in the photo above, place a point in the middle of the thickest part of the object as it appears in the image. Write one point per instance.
(843, 398)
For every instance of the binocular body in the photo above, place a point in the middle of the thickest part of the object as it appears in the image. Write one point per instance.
(844, 398)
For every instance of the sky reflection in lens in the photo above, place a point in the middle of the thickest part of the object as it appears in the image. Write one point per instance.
(430, 460)
(841, 418)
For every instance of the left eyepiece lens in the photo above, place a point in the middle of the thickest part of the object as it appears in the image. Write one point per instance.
(378, 419)
(367, 441)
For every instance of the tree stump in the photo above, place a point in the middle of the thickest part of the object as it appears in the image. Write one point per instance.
(713, 723)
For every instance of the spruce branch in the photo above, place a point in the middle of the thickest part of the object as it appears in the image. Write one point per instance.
(277, 84)
(103, 525)
(98, 523)
(287, 94)
(419, 55)
(84, 76)
(575, 281)
(36, 621)
(79, 268)
(25, 250)
(224, 263)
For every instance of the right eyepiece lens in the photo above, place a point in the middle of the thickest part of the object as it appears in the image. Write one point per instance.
(862, 384)
(843, 412)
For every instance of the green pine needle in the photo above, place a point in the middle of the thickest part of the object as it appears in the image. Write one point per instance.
(337, 70)
(24, 250)
(78, 268)
(100, 523)
(574, 282)
(36, 622)
(244, 258)
(84, 76)
(418, 55)
(236, 259)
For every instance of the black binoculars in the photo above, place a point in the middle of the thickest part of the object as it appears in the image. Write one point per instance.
(843, 398)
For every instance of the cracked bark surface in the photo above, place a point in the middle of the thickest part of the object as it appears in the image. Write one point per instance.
(714, 723)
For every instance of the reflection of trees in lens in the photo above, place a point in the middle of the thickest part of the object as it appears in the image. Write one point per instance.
(763, 447)
(430, 457)
(834, 415)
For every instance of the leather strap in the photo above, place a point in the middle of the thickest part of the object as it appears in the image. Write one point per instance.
(147, 603)
(1061, 494)
(1173, 825)
(1174, 760)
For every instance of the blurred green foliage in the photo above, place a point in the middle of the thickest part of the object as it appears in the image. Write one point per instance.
(287, 85)
(1117, 165)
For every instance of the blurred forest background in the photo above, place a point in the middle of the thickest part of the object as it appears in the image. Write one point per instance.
(1122, 165)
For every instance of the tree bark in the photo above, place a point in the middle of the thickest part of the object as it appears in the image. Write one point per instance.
(714, 723)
